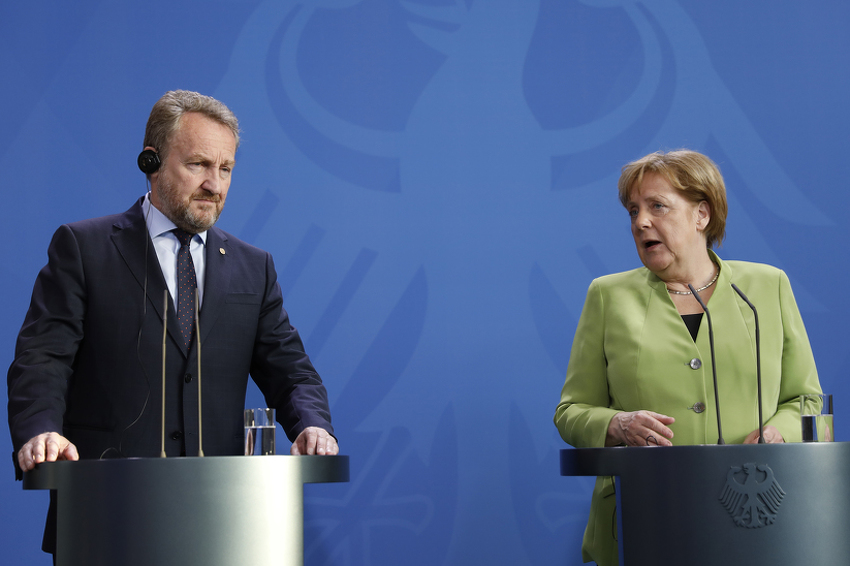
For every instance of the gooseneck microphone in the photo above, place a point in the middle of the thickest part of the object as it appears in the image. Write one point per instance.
(200, 404)
(198, 342)
(713, 365)
(164, 338)
(758, 358)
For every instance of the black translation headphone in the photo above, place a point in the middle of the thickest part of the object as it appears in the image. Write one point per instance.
(149, 161)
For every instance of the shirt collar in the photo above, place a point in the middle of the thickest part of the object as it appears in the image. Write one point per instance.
(158, 223)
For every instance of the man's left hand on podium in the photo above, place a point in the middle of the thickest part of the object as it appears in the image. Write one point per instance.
(314, 440)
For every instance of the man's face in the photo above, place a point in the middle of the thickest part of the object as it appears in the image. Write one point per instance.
(191, 187)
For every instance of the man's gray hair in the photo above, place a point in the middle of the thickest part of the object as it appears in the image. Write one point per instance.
(166, 113)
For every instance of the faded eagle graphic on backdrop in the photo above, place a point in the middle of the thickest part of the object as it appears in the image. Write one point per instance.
(437, 184)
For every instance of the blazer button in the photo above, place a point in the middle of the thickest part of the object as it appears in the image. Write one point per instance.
(176, 435)
(698, 407)
(188, 378)
(695, 363)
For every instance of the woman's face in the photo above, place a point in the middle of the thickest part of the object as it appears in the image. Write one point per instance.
(668, 229)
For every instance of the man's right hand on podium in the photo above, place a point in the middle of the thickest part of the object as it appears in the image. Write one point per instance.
(46, 447)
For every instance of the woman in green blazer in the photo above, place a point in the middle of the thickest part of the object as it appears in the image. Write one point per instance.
(640, 367)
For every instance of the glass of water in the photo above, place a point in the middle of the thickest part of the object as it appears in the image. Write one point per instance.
(816, 412)
(259, 432)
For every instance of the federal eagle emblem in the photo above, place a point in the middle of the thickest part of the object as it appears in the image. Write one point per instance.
(755, 502)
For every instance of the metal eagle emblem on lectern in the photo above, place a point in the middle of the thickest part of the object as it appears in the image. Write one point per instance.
(753, 503)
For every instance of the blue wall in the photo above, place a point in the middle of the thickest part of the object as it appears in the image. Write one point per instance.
(437, 182)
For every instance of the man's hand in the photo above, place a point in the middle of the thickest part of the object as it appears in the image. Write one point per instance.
(314, 440)
(46, 447)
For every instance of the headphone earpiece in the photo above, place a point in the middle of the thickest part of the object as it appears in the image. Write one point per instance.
(149, 161)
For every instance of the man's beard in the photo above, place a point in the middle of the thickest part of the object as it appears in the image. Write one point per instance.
(180, 212)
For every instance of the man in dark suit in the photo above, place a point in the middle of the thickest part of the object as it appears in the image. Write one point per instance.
(86, 379)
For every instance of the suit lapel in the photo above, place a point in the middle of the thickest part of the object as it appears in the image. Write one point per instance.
(128, 234)
(217, 279)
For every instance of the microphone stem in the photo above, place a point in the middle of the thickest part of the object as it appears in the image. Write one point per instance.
(164, 336)
(758, 358)
(713, 364)
(200, 404)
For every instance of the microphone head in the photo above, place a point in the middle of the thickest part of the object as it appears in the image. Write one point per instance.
(698, 298)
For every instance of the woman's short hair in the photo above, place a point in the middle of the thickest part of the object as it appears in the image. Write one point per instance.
(691, 172)
(166, 113)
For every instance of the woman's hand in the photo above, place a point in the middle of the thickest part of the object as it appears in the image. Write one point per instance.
(771, 436)
(641, 428)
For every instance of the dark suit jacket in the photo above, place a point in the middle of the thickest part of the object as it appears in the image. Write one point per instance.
(89, 355)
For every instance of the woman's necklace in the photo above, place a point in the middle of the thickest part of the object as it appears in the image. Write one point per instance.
(700, 290)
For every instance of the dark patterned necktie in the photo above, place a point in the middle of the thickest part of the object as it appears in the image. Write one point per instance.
(186, 285)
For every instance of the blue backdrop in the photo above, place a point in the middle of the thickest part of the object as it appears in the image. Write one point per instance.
(437, 182)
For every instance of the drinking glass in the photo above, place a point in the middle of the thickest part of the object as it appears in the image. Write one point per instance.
(816, 413)
(259, 432)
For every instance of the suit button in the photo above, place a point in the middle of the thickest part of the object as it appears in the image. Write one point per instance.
(698, 407)
(695, 363)
(176, 435)
(188, 378)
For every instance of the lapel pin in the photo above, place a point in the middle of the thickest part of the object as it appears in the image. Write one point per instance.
(221, 251)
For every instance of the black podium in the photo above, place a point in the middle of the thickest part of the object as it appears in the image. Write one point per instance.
(769, 504)
(212, 511)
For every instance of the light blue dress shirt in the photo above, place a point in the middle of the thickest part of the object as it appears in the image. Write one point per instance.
(167, 245)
